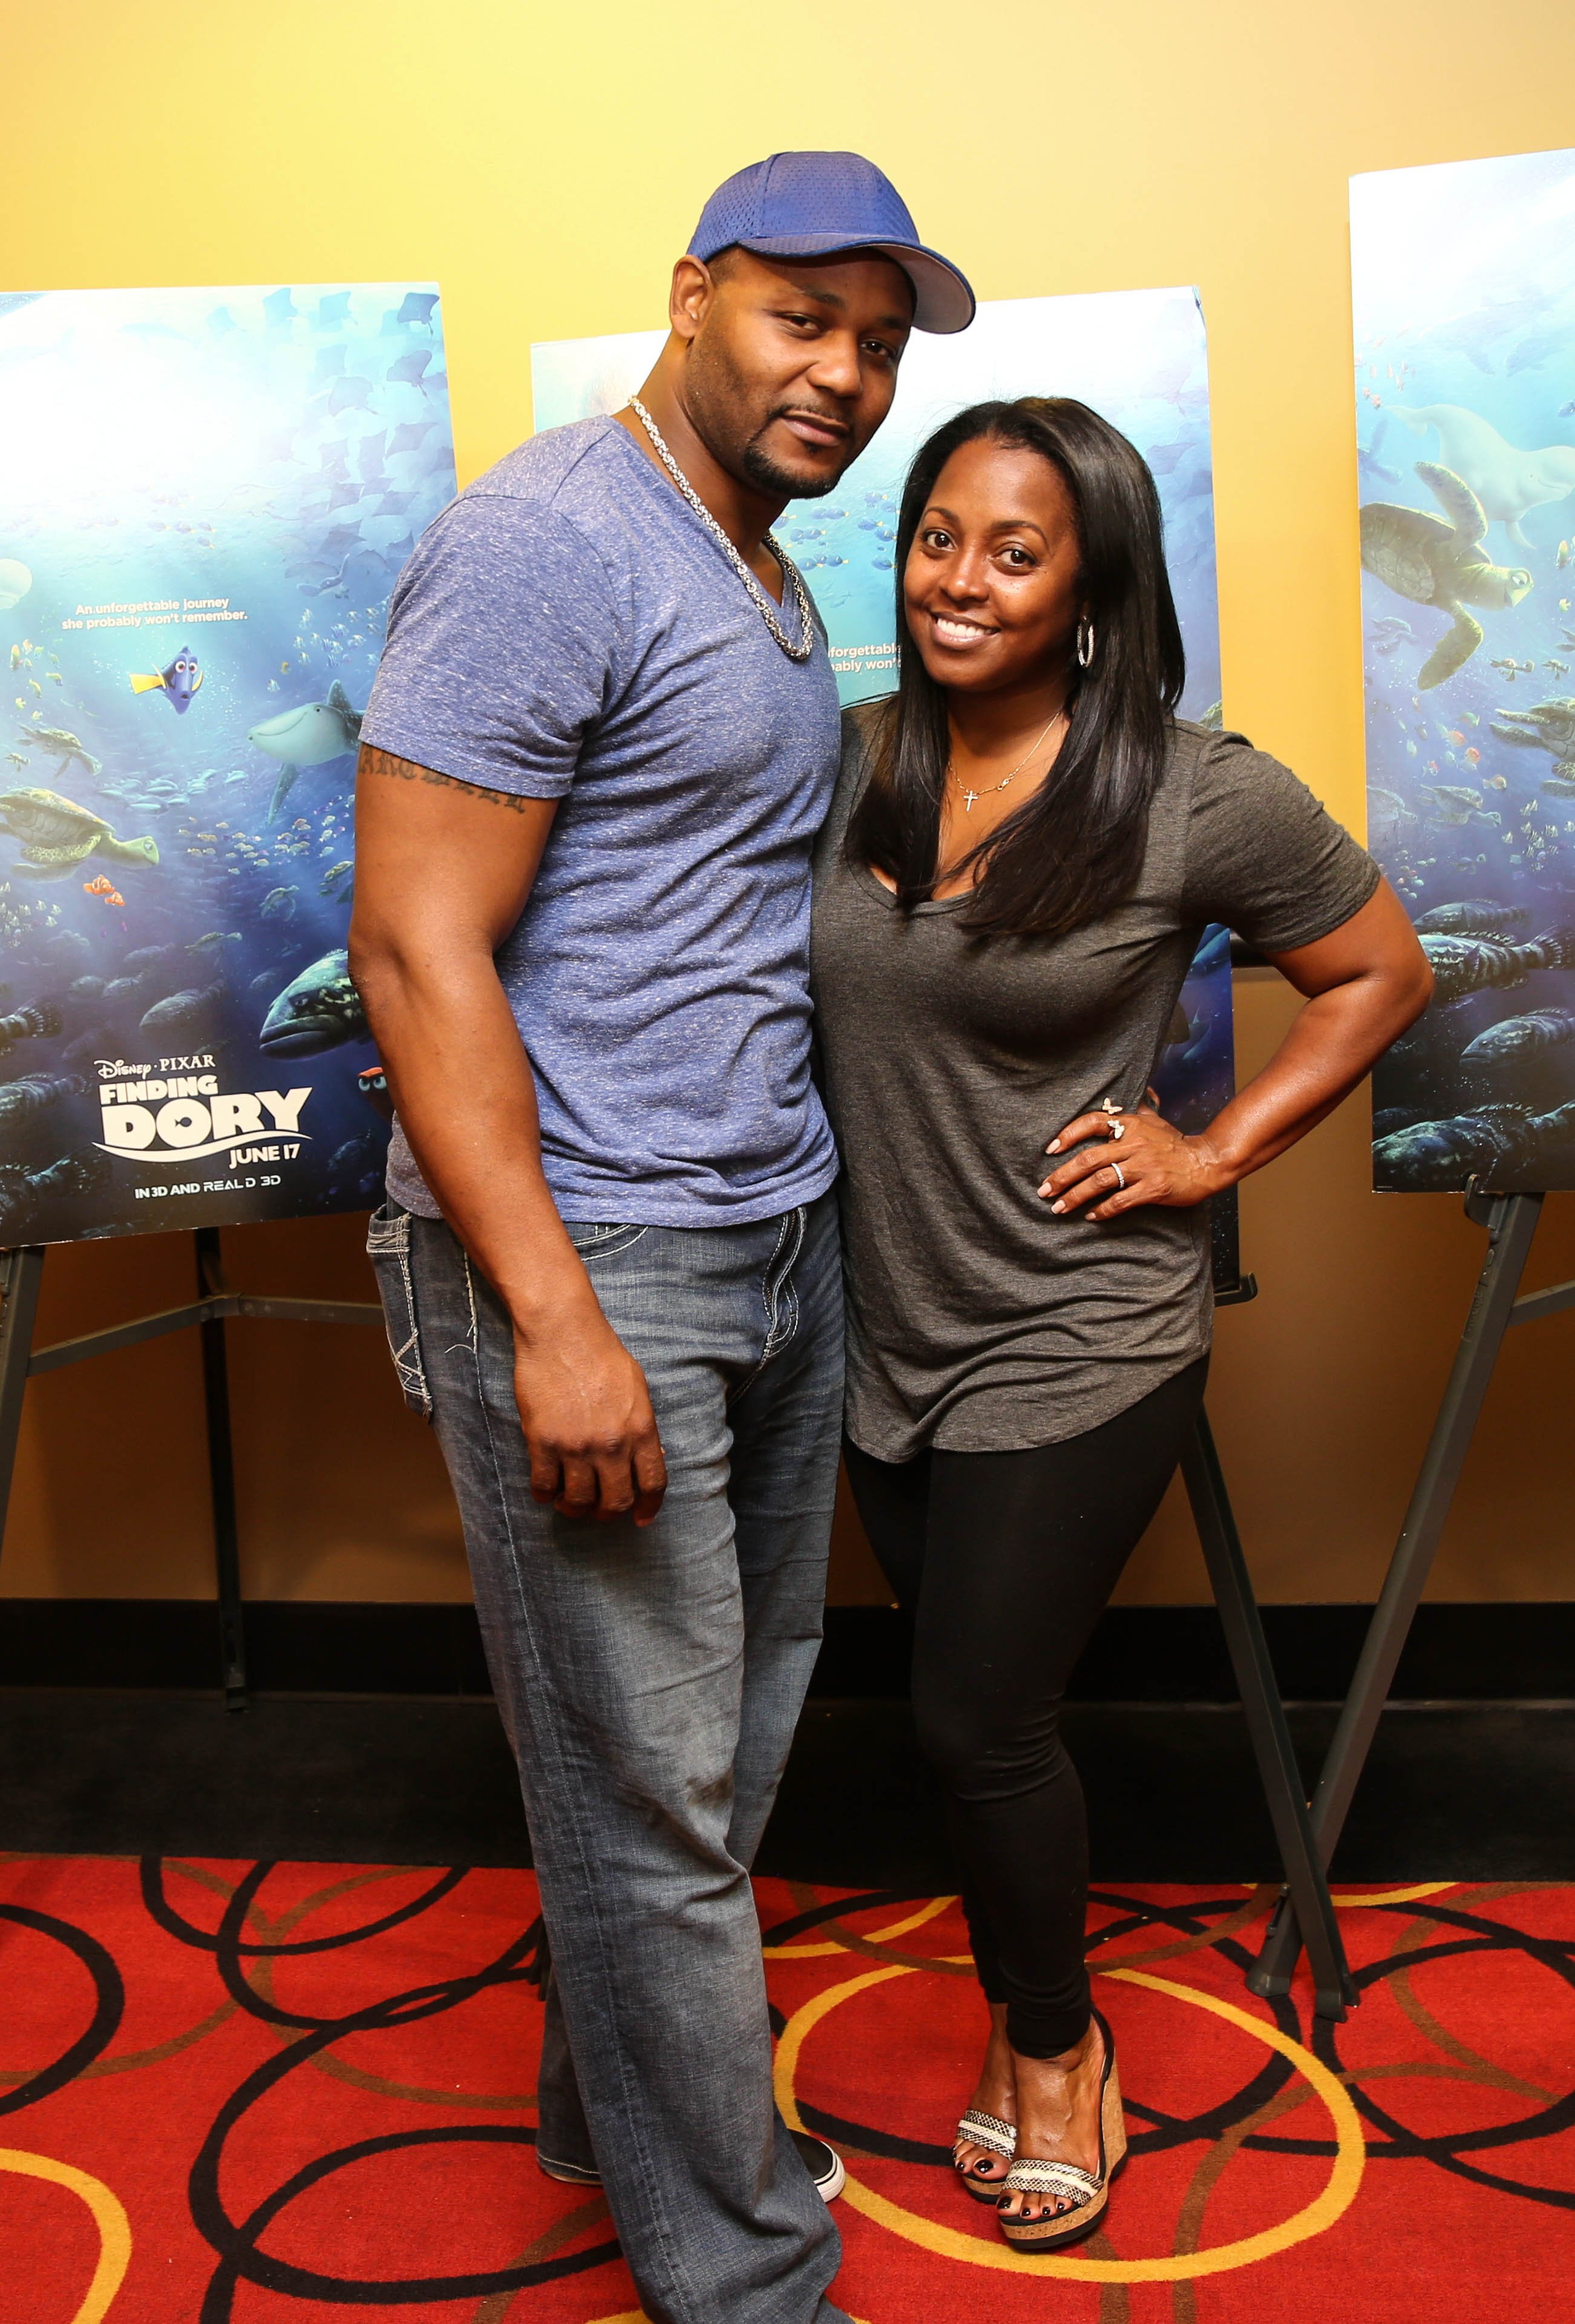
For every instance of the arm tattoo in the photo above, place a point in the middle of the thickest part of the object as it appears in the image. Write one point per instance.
(374, 761)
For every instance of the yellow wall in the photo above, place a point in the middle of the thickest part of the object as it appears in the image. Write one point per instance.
(545, 164)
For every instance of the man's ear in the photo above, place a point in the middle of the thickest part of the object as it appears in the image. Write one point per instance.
(692, 291)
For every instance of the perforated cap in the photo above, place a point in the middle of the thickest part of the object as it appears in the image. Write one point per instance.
(807, 205)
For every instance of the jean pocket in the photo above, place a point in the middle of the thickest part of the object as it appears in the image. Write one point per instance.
(598, 1241)
(388, 1246)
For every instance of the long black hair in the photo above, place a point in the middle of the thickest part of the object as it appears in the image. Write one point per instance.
(1075, 847)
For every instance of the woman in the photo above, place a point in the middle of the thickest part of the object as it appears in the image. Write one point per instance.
(1026, 845)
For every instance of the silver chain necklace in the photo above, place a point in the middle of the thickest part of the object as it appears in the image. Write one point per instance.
(805, 647)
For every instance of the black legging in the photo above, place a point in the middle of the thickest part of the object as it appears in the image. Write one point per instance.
(1006, 1561)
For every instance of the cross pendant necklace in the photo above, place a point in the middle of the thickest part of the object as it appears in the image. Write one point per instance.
(971, 794)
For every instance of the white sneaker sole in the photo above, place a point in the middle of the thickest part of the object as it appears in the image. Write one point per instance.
(829, 2187)
(567, 2175)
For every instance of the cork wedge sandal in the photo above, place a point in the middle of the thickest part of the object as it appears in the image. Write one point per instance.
(1088, 2192)
(983, 2130)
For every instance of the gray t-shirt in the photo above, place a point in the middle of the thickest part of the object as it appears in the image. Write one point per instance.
(567, 628)
(978, 1322)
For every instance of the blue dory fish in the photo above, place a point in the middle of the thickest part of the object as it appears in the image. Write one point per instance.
(180, 682)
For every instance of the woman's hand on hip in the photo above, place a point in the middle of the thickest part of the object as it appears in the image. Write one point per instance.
(1138, 1157)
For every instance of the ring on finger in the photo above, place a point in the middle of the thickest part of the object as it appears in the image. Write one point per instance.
(1118, 1131)
(1120, 1180)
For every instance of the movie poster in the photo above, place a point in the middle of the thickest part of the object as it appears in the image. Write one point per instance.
(1464, 295)
(1141, 359)
(205, 497)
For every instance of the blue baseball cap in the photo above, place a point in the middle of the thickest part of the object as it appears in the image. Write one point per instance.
(807, 205)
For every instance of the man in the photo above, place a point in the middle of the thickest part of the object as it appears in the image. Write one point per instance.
(601, 740)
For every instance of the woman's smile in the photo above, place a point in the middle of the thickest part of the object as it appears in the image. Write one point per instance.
(959, 631)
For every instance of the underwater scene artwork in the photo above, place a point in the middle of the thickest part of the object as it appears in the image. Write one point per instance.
(1141, 359)
(1463, 279)
(205, 498)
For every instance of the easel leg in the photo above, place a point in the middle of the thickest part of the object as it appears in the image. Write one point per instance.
(221, 1472)
(1511, 1221)
(1266, 1716)
(21, 1274)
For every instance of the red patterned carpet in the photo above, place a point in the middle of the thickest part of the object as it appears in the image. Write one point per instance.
(249, 2095)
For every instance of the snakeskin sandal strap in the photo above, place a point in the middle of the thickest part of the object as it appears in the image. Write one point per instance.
(987, 2130)
(1030, 2176)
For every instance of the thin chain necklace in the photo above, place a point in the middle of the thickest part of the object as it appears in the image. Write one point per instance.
(800, 651)
(989, 789)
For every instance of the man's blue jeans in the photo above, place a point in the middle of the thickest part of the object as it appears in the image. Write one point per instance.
(650, 1681)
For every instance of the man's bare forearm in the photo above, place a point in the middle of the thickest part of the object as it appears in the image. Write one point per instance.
(421, 943)
(466, 1100)
(443, 870)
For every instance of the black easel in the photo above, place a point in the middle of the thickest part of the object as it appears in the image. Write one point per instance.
(1511, 1221)
(1306, 1880)
(21, 1274)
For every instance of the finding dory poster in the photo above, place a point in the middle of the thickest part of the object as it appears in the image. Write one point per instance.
(205, 498)
(1141, 359)
(1464, 296)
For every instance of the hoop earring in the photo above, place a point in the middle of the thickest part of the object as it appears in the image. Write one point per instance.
(1085, 642)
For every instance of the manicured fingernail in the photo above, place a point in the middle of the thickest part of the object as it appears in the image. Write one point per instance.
(1053, 1146)
(1045, 1189)
(1058, 1207)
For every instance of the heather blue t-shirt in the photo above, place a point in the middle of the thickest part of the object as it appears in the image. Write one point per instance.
(567, 628)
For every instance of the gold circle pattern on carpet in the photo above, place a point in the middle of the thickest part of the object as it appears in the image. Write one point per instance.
(115, 2241)
(950, 2243)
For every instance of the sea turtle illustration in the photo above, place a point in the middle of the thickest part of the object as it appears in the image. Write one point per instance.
(61, 745)
(57, 834)
(1434, 563)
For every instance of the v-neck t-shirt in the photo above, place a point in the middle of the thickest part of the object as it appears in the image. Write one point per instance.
(569, 629)
(978, 1321)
